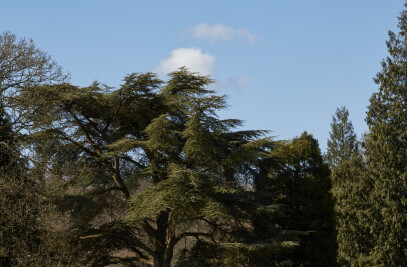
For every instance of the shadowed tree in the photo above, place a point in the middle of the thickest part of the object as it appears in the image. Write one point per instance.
(303, 179)
(19, 204)
(21, 64)
(346, 166)
(296, 184)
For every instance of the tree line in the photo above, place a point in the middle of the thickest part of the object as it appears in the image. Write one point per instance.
(147, 174)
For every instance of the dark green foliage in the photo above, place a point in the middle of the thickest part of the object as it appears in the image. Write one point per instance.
(141, 168)
(300, 204)
(346, 170)
(349, 190)
(386, 156)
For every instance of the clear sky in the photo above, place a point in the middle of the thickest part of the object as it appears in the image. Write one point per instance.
(285, 65)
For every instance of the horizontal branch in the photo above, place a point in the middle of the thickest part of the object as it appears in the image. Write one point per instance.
(193, 234)
(128, 238)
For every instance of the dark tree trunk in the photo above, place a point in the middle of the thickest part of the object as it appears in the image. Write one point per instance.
(163, 249)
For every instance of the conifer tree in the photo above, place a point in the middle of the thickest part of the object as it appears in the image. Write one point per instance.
(386, 156)
(349, 192)
(342, 143)
(298, 180)
(346, 165)
(144, 167)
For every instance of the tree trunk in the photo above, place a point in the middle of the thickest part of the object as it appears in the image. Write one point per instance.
(165, 259)
(168, 256)
(162, 248)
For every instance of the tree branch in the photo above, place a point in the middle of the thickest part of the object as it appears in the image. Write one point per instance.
(194, 234)
(128, 238)
(82, 127)
(118, 179)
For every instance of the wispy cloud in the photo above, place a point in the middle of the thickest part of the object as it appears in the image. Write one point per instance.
(221, 32)
(192, 58)
(237, 83)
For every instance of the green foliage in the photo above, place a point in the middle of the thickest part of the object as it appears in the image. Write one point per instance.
(353, 234)
(150, 156)
(346, 166)
(298, 181)
(185, 193)
(386, 156)
(342, 143)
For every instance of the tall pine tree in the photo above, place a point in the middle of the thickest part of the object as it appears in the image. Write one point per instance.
(345, 163)
(386, 155)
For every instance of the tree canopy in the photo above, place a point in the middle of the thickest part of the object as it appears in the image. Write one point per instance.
(155, 153)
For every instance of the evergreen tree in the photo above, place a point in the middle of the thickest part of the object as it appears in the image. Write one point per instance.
(143, 167)
(342, 143)
(353, 233)
(298, 180)
(346, 164)
(386, 156)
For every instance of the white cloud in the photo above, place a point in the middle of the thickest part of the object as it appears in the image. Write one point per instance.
(221, 32)
(192, 58)
(238, 83)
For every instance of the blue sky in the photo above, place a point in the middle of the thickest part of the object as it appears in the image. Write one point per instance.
(285, 65)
